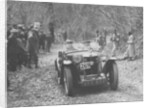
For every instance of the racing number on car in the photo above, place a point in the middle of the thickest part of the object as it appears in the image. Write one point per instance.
(86, 65)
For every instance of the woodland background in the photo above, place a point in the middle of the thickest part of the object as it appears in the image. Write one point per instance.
(80, 20)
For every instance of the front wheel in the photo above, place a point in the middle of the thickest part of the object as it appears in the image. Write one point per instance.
(113, 76)
(68, 81)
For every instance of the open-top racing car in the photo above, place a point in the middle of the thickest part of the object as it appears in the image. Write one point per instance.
(82, 64)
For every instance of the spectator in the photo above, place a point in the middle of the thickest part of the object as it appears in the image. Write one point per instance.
(113, 40)
(101, 40)
(42, 38)
(48, 43)
(33, 44)
(130, 52)
(117, 39)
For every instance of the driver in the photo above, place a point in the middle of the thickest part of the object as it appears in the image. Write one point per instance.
(69, 45)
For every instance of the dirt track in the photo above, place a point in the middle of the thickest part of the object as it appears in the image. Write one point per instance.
(32, 87)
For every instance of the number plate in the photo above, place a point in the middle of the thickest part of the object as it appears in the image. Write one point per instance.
(86, 65)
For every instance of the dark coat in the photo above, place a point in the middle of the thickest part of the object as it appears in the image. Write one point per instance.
(33, 42)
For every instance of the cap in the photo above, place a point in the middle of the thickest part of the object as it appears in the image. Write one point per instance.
(68, 41)
(36, 25)
(20, 26)
(14, 30)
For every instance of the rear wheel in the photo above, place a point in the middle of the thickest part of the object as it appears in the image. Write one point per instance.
(113, 76)
(68, 81)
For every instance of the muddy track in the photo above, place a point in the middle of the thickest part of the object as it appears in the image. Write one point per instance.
(34, 87)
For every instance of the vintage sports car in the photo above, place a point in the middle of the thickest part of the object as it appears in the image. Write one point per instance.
(85, 65)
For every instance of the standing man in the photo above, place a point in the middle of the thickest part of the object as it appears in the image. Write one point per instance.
(104, 36)
(117, 38)
(97, 36)
(48, 42)
(51, 29)
(33, 44)
(22, 56)
(12, 50)
(42, 38)
(100, 40)
(65, 36)
(113, 40)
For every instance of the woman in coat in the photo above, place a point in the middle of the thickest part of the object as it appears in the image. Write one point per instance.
(130, 53)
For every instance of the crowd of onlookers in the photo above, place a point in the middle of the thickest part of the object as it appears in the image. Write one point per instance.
(24, 43)
(101, 38)
(105, 37)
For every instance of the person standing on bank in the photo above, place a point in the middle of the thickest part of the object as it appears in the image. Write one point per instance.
(117, 39)
(113, 40)
(48, 42)
(33, 44)
(130, 53)
(100, 39)
(42, 38)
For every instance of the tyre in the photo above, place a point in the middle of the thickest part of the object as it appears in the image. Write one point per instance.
(113, 76)
(68, 81)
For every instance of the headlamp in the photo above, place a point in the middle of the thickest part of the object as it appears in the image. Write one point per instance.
(77, 59)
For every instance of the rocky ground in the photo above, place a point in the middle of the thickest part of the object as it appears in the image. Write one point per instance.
(34, 87)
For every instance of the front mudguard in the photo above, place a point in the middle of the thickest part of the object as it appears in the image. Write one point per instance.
(108, 66)
(58, 64)
(65, 63)
(74, 71)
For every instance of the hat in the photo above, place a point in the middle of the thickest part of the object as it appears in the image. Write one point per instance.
(36, 25)
(14, 30)
(21, 27)
(69, 41)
